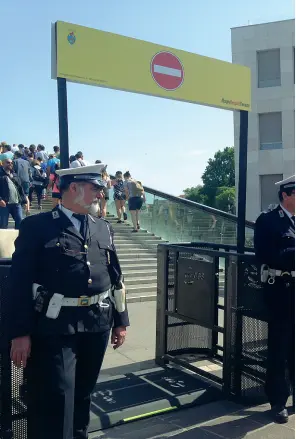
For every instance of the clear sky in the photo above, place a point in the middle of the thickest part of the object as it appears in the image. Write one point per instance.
(164, 143)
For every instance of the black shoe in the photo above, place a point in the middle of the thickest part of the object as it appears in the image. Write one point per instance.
(280, 414)
(138, 226)
(119, 222)
(125, 216)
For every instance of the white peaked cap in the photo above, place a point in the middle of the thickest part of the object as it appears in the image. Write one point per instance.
(288, 183)
(90, 174)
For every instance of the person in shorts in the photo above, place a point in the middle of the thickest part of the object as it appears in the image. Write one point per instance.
(119, 196)
(136, 197)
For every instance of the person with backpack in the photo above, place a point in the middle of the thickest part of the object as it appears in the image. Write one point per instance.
(53, 160)
(39, 182)
(135, 195)
(23, 170)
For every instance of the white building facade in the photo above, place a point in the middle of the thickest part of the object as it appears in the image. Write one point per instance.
(269, 50)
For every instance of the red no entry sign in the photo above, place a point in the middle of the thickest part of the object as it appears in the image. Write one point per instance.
(167, 70)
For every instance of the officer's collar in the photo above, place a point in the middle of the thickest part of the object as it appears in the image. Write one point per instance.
(289, 214)
(63, 219)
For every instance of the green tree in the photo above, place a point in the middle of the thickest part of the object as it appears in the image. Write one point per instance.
(218, 189)
(195, 194)
(220, 170)
(225, 199)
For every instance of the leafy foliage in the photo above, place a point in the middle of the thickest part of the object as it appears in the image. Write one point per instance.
(218, 189)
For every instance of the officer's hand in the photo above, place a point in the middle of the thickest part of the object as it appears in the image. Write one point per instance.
(20, 350)
(2, 203)
(118, 336)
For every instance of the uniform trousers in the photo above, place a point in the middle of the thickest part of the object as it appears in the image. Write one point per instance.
(280, 374)
(62, 373)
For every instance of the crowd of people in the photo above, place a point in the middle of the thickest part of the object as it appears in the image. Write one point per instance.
(25, 171)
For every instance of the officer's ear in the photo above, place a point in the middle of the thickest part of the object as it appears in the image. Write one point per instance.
(73, 188)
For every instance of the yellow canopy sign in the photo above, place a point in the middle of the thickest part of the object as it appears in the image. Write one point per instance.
(94, 57)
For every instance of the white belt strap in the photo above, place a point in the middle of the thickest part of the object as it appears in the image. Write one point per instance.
(80, 301)
(88, 301)
(277, 273)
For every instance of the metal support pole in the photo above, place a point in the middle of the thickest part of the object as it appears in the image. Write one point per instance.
(63, 122)
(162, 304)
(242, 181)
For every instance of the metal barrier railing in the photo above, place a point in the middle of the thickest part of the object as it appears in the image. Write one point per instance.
(211, 316)
(176, 219)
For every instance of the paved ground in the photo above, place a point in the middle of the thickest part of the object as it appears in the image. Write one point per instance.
(212, 421)
(138, 352)
(221, 419)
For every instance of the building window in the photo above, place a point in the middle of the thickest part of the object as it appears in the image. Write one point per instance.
(270, 130)
(269, 192)
(269, 68)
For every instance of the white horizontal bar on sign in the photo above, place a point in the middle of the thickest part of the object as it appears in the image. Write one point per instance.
(167, 71)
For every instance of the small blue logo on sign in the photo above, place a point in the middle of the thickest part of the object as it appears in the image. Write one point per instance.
(71, 38)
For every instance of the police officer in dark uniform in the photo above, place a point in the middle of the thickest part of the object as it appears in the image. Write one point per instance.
(275, 249)
(66, 296)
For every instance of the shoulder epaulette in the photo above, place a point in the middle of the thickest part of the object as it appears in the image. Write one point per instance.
(104, 219)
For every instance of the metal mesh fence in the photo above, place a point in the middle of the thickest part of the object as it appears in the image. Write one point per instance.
(250, 331)
(13, 410)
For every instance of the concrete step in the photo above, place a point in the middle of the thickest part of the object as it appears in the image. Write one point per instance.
(140, 244)
(148, 296)
(144, 261)
(141, 263)
(140, 281)
(132, 245)
(141, 289)
(136, 238)
(132, 273)
(136, 256)
(128, 229)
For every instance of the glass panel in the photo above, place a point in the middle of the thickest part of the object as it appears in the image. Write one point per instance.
(175, 222)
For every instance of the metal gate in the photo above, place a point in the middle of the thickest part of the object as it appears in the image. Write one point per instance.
(211, 316)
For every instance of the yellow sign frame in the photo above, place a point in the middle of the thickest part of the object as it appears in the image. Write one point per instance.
(105, 59)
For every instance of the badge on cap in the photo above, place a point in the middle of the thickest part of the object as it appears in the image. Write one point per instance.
(281, 214)
(55, 214)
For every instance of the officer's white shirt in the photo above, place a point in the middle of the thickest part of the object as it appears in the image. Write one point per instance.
(289, 214)
(76, 223)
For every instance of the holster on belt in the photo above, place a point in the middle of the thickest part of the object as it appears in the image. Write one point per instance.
(46, 302)
(119, 296)
(264, 273)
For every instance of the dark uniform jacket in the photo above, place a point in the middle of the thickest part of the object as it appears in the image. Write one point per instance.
(274, 240)
(51, 252)
(4, 188)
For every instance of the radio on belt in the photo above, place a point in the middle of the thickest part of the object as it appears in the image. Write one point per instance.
(55, 305)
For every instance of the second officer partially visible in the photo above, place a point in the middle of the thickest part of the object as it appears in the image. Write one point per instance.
(66, 296)
(274, 244)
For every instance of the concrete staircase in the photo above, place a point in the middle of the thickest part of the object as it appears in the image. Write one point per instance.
(138, 260)
(137, 256)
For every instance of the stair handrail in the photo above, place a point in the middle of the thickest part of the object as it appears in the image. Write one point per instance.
(195, 205)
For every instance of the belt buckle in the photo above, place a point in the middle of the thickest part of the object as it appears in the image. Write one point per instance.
(84, 301)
